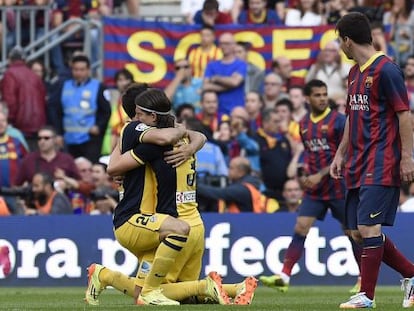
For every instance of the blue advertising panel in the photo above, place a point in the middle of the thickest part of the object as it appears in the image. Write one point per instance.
(55, 250)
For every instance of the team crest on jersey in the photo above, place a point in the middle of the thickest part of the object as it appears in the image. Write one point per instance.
(368, 82)
(324, 128)
(141, 127)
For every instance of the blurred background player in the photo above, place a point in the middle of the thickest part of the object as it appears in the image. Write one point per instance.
(321, 131)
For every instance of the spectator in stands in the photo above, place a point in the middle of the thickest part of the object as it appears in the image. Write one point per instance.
(307, 13)
(258, 14)
(255, 76)
(208, 114)
(380, 41)
(282, 66)
(25, 96)
(254, 107)
(223, 138)
(409, 79)
(12, 152)
(275, 155)
(210, 159)
(205, 53)
(298, 100)
(211, 15)
(278, 6)
(11, 130)
(184, 88)
(226, 76)
(401, 19)
(47, 159)
(38, 67)
(272, 90)
(242, 195)
(132, 7)
(330, 69)
(184, 112)
(242, 141)
(190, 8)
(335, 9)
(47, 200)
(292, 196)
(287, 125)
(81, 111)
(10, 31)
(105, 194)
(340, 103)
(123, 78)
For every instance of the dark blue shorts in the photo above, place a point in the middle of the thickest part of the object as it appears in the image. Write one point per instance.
(371, 205)
(319, 208)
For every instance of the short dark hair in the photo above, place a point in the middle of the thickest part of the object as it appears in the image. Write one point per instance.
(245, 45)
(307, 90)
(356, 27)
(285, 102)
(81, 59)
(209, 27)
(47, 179)
(48, 128)
(210, 5)
(17, 53)
(128, 98)
(267, 113)
(204, 92)
(183, 107)
(124, 72)
(377, 25)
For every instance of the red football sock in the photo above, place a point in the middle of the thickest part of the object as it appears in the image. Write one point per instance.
(293, 253)
(396, 260)
(370, 263)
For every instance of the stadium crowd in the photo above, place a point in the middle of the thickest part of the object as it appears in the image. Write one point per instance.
(56, 133)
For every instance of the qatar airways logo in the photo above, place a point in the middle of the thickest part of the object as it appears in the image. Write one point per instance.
(317, 144)
(358, 102)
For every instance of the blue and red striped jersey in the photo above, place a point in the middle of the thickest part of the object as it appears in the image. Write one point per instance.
(376, 92)
(321, 139)
(12, 152)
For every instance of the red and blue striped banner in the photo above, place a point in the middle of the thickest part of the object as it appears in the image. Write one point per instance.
(148, 49)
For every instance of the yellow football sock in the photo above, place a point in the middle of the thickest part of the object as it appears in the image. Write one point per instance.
(231, 289)
(164, 258)
(117, 280)
(183, 290)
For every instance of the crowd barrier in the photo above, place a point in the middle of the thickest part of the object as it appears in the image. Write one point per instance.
(55, 250)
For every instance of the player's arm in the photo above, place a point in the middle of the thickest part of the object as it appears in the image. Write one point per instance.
(338, 161)
(119, 163)
(178, 156)
(406, 135)
(164, 136)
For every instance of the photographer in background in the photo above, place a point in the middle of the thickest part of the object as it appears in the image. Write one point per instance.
(242, 195)
(46, 199)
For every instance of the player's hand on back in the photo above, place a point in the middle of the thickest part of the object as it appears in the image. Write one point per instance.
(179, 154)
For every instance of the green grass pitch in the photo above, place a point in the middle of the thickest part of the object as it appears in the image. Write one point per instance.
(299, 298)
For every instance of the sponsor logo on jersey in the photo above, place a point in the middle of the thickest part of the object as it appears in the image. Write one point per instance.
(142, 127)
(185, 197)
